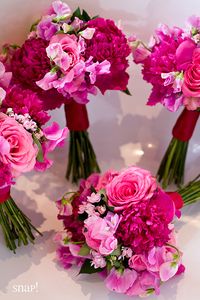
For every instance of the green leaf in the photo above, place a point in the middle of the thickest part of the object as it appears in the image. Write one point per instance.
(85, 250)
(93, 189)
(88, 269)
(103, 195)
(85, 16)
(127, 92)
(40, 156)
(76, 13)
(95, 17)
(111, 208)
(117, 251)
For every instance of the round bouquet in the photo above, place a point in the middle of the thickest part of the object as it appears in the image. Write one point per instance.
(120, 226)
(67, 56)
(171, 63)
(24, 146)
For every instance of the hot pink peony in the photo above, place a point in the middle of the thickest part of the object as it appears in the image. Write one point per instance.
(30, 62)
(19, 151)
(5, 180)
(24, 101)
(133, 185)
(109, 43)
(145, 225)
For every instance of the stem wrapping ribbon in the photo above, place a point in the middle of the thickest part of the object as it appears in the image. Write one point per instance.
(4, 194)
(76, 116)
(185, 125)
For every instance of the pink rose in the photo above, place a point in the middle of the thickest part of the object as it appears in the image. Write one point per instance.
(108, 245)
(138, 262)
(133, 185)
(191, 84)
(64, 51)
(20, 152)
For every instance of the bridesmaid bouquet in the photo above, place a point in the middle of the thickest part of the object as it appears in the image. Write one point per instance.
(24, 146)
(120, 225)
(171, 63)
(68, 56)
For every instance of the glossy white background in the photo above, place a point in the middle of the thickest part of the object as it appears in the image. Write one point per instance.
(124, 131)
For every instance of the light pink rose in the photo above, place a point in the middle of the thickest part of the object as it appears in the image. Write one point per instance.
(99, 234)
(191, 84)
(64, 50)
(131, 186)
(20, 152)
(108, 245)
(138, 262)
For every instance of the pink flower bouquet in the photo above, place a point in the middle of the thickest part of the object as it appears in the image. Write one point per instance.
(24, 146)
(68, 56)
(171, 63)
(120, 225)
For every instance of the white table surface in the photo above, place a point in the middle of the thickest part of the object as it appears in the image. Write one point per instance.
(124, 131)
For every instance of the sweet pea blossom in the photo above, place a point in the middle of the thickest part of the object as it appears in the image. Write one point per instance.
(99, 234)
(120, 282)
(46, 28)
(65, 207)
(60, 9)
(87, 33)
(54, 138)
(5, 78)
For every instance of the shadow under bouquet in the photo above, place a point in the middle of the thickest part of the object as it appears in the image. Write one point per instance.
(171, 63)
(67, 56)
(24, 146)
(120, 225)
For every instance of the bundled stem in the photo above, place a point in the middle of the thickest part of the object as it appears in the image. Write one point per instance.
(191, 192)
(172, 166)
(82, 160)
(16, 226)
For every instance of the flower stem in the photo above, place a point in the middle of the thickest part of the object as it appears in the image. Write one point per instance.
(82, 160)
(16, 226)
(172, 167)
(191, 192)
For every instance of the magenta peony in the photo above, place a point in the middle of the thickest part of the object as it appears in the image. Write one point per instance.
(109, 43)
(30, 62)
(146, 225)
(24, 101)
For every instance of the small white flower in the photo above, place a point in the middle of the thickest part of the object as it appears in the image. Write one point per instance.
(94, 198)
